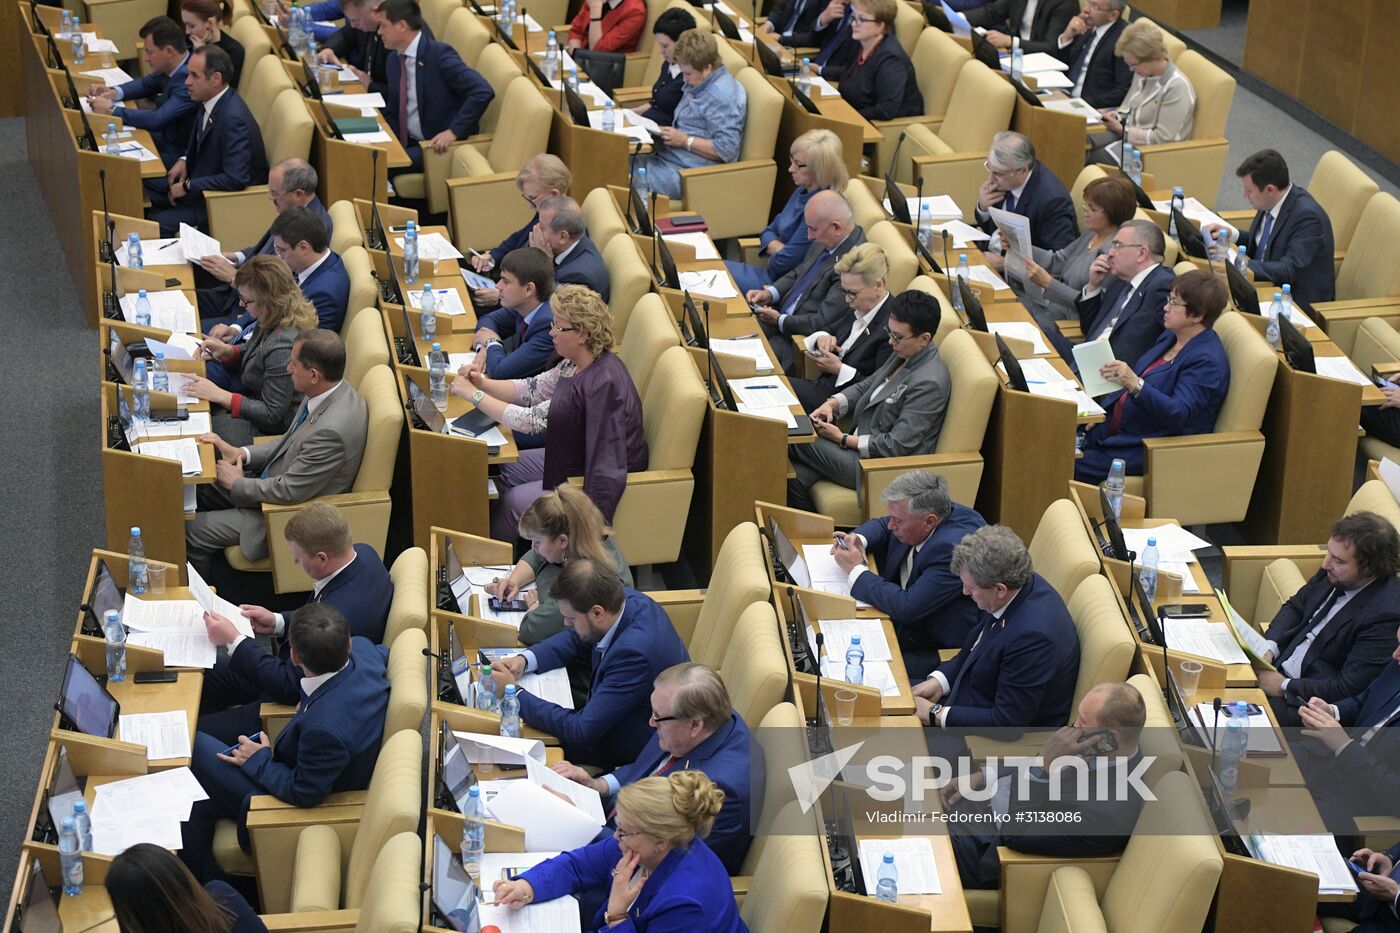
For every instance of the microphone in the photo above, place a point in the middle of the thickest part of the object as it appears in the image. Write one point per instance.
(524, 32)
(104, 248)
(1215, 734)
(821, 643)
(636, 146)
(923, 248)
(376, 232)
(894, 158)
(947, 266)
(655, 231)
(111, 305)
(709, 357)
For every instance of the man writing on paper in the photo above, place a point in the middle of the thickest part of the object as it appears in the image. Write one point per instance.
(913, 548)
(626, 641)
(1333, 637)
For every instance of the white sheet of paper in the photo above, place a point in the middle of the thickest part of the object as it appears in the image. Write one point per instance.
(1015, 229)
(702, 244)
(1040, 370)
(94, 44)
(838, 634)
(162, 790)
(1069, 392)
(165, 735)
(987, 276)
(550, 686)
(1262, 737)
(550, 824)
(499, 749)
(1196, 211)
(180, 346)
(183, 450)
(433, 246)
(1339, 367)
(557, 916)
(162, 615)
(878, 675)
(181, 649)
(113, 836)
(475, 280)
(823, 88)
(621, 126)
(1022, 330)
(1315, 854)
(197, 244)
(750, 348)
(1249, 636)
(1090, 358)
(713, 283)
(964, 235)
(773, 413)
(1049, 80)
(370, 138)
(133, 150)
(1173, 542)
(195, 425)
(1182, 569)
(359, 101)
(1207, 639)
(156, 252)
(1036, 61)
(456, 361)
(1075, 105)
(823, 569)
(213, 602)
(762, 392)
(585, 798)
(942, 208)
(913, 859)
(170, 310)
(448, 301)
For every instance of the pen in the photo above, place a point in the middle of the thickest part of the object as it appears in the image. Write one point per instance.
(762, 387)
(168, 245)
(841, 542)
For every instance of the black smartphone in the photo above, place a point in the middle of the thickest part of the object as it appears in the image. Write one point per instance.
(1252, 709)
(156, 677)
(1106, 744)
(514, 605)
(1187, 611)
(692, 221)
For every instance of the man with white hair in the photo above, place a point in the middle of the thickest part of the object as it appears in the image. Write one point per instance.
(562, 234)
(1018, 182)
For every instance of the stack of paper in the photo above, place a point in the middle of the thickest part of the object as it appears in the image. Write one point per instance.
(1263, 737)
(964, 235)
(987, 276)
(913, 859)
(100, 46)
(1390, 474)
(368, 139)
(1042, 378)
(1195, 211)
(197, 244)
(838, 634)
(699, 241)
(1022, 330)
(1248, 636)
(762, 392)
(165, 735)
(149, 808)
(196, 424)
(1074, 105)
(557, 916)
(1173, 542)
(1315, 854)
(433, 246)
(180, 648)
(446, 301)
(1212, 640)
(358, 101)
(212, 602)
(942, 208)
(550, 824)
(170, 311)
(135, 151)
(164, 252)
(823, 571)
(183, 450)
(1339, 367)
(484, 748)
(750, 348)
(878, 675)
(625, 123)
(180, 346)
(771, 412)
(712, 283)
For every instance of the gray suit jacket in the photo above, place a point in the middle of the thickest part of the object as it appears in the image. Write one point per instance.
(900, 413)
(268, 399)
(823, 306)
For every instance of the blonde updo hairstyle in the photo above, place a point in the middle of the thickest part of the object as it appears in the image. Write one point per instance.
(675, 808)
(585, 309)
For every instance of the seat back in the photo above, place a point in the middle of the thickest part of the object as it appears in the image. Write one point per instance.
(409, 607)
(408, 682)
(1277, 584)
(865, 206)
(654, 9)
(1215, 92)
(345, 227)
(393, 896)
(788, 891)
(1370, 269)
(904, 265)
(437, 12)
(530, 117)
(938, 59)
(729, 56)
(981, 107)
(265, 80)
(763, 114)
(948, 321)
(1167, 876)
(1061, 551)
(1106, 645)
(1086, 175)
(1159, 743)
(604, 220)
(256, 47)
(781, 735)
(908, 25)
(1375, 496)
(672, 412)
(650, 331)
(1343, 191)
(1376, 342)
(974, 391)
(1252, 369)
(381, 397)
(755, 666)
(499, 69)
(392, 804)
(1174, 45)
(288, 129)
(739, 579)
(628, 279)
(364, 292)
(467, 34)
(652, 71)
(365, 344)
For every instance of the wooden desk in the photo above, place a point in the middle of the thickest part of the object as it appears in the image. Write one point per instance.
(1282, 771)
(159, 698)
(392, 149)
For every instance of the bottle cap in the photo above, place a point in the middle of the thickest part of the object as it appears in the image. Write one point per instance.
(1151, 542)
(1117, 463)
(141, 293)
(1287, 289)
(1278, 296)
(436, 345)
(80, 806)
(889, 858)
(160, 354)
(136, 531)
(510, 690)
(855, 640)
(67, 824)
(111, 615)
(475, 791)
(1178, 190)
(962, 257)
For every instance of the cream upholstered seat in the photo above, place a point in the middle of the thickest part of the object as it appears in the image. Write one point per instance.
(412, 594)
(734, 197)
(288, 129)
(265, 80)
(604, 219)
(408, 682)
(650, 331)
(789, 888)
(364, 289)
(1197, 164)
(1081, 181)
(650, 519)
(1343, 191)
(436, 14)
(392, 898)
(865, 205)
(1061, 550)
(904, 265)
(938, 59)
(120, 22)
(949, 157)
(629, 280)
(1375, 496)
(256, 46)
(1376, 342)
(467, 34)
(741, 575)
(239, 216)
(755, 664)
(783, 739)
(949, 320)
(365, 344)
(345, 227)
(1368, 283)
(957, 456)
(366, 507)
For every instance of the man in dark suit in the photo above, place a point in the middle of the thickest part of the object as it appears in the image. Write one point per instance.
(331, 743)
(1290, 238)
(695, 729)
(1100, 78)
(626, 641)
(1018, 667)
(1333, 637)
(346, 575)
(860, 343)
(300, 238)
(562, 234)
(224, 152)
(167, 59)
(913, 548)
(809, 298)
(445, 101)
(1036, 22)
(1377, 910)
(1019, 183)
(1127, 309)
(514, 341)
(794, 23)
(1103, 742)
(831, 34)
(357, 46)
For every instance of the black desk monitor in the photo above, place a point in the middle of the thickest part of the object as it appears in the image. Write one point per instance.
(1117, 543)
(693, 326)
(899, 205)
(423, 407)
(935, 17)
(768, 59)
(84, 704)
(789, 556)
(578, 110)
(668, 275)
(803, 100)
(1296, 348)
(120, 356)
(461, 668)
(39, 912)
(454, 893)
(1189, 235)
(638, 214)
(1143, 200)
(539, 74)
(804, 654)
(455, 771)
(458, 583)
(330, 118)
(726, 26)
(1242, 291)
(106, 597)
(972, 305)
(1014, 376)
(312, 88)
(406, 346)
(721, 393)
(985, 52)
(1023, 90)
(841, 840)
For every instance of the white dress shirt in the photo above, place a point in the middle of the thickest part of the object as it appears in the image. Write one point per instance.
(1133, 285)
(860, 327)
(310, 685)
(1292, 666)
(1028, 18)
(305, 274)
(1088, 55)
(409, 73)
(943, 681)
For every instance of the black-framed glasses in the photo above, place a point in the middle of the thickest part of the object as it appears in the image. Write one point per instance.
(863, 20)
(1174, 302)
(245, 302)
(897, 339)
(659, 719)
(1119, 244)
(852, 295)
(797, 164)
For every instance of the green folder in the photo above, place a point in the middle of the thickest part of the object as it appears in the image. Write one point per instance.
(349, 125)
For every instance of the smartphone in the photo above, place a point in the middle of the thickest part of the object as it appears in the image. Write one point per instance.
(692, 221)
(156, 677)
(1187, 611)
(514, 605)
(1253, 709)
(1355, 868)
(256, 736)
(1106, 744)
(1382, 383)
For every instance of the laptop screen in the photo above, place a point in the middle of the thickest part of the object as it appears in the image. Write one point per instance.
(86, 703)
(454, 893)
(787, 554)
(40, 909)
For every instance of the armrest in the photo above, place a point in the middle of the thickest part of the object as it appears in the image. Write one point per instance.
(341, 500)
(1071, 904)
(1070, 329)
(640, 94)
(323, 921)
(682, 607)
(962, 470)
(1240, 219)
(1025, 879)
(733, 196)
(274, 718)
(1174, 464)
(750, 250)
(1191, 441)
(1184, 145)
(739, 884)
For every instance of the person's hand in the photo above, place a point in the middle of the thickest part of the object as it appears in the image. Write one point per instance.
(989, 195)
(1065, 742)
(1271, 682)
(1119, 372)
(573, 772)
(851, 556)
(1036, 273)
(827, 362)
(246, 749)
(442, 140)
(487, 297)
(103, 104)
(826, 343)
(1320, 724)
(825, 413)
(513, 894)
(327, 57)
(929, 689)
(227, 451)
(1099, 271)
(996, 260)
(462, 384)
(1381, 887)
(774, 246)
(999, 40)
(531, 597)
(1075, 28)
(485, 335)
(202, 388)
(263, 621)
(226, 473)
(1112, 123)
(1392, 396)
(758, 296)
(835, 9)
(767, 314)
(224, 332)
(673, 137)
(213, 348)
(220, 267)
(221, 631)
(540, 241)
(360, 76)
(1269, 655)
(508, 670)
(506, 588)
(1377, 863)
(178, 172)
(483, 263)
(827, 430)
(627, 883)
(95, 91)
(952, 793)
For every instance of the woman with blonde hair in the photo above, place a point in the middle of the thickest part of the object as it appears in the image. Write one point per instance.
(859, 343)
(656, 868)
(1161, 103)
(816, 162)
(587, 407)
(248, 382)
(561, 526)
(543, 177)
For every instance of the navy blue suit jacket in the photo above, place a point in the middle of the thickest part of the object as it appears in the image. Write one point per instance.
(451, 96)
(1300, 248)
(1022, 672)
(1140, 322)
(933, 612)
(732, 760)
(172, 120)
(1176, 400)
(1374, 766)
(584, 266)
(666, 96)
(1045, 201)
(1106, 77)
(328, 288)
(332, 742)
(513, 358)
(245, 919)
(229, 154)
(264, 246)
(517, 240)
(614, 725)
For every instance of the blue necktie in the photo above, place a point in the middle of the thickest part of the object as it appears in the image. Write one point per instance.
(1264, 235)
(794, 297)
(301, 417)
(796, 15)
(842, 32)
(1008, 203)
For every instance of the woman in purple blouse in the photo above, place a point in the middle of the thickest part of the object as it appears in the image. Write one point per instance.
(587, 407)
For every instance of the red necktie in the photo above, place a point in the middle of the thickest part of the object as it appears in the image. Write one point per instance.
(404, 78)
(520, 330)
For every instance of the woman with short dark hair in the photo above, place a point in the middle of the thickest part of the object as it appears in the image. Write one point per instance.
(666, 91)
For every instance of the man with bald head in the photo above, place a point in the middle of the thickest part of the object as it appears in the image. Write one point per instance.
(809, 298)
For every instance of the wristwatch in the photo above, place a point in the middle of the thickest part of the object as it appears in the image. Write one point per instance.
(477, 396)
(933, 712)
(689, 141)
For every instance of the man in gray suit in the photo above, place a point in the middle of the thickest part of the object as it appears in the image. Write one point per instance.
(318, 456)
(809, 298)
(895, 412)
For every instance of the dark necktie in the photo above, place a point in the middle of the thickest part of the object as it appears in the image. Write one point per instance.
(967, 663)
(404, 78)
(1081, 61)
(1008, 203)
(301, 417)
(794, 297)
(842, 33)
(520, 330)
(1264, 233)
(1115, 311)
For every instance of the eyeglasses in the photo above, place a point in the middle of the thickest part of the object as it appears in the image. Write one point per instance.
(852, 295)
(897, 339)
(1175, 302)
(245, 302)
(623, 833)
(659, 719)
(1119, 244)
(863, 20)
(995, 173)
(797, 164)
(556, 328)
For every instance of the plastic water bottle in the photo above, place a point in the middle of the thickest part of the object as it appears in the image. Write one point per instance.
(1178, 204)
(1148, 569)
(609, 122)
(551, 58)
(1114, 487)
(639, 182)
(410, 253)
(427, 307)
(437, 376)
(855, 662)
(65, 25)
(804, 77)
(137, 578)
(1233, 747)
(110, 144)
(133, 252)
(79, 46)
(1132, 163)
(115, 634)
(508, 19)
(310, 54)
(473, 832)
(510, 713)
(160, 373)
(296, 28)
(965, 274)
(573, 78)
(486, 691)
(1275, 309)
(1288, 302)
(143, 309)
(70, 858)
(82, 823)
(1018, 59)
(141, 391)
(887, 880)
(926, 226)
(1242, 259)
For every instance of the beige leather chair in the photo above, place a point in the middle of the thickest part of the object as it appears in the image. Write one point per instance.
(408, 682)
(938, 59)
(789, 888)
(782, 736)
(345, 227)
(467, 34)
(1197, 164)
(1375, 496)
(412, 594)
(957, 456)
(436, 14)
(734, 197)
(604, 220)
(237, 218)
(1376, 342)
(1165, 880)
(1159, 741)
(288, 129)
(392, 900)
(908, 26)
(364, 288)
(650, 519)
(864, 202)
(755, 664)
(1061, 550)
(366, 507)
(949, 156)
(741, 570)
(639, 61)
(949, 321)
(265, 80)
(119, 20)
(1171, 480)
(499, 69)
(629, 279)
(650, 332)
(904, 265)
(1368, 283)
(256, 46)
(1343, 191)
(365, 344)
